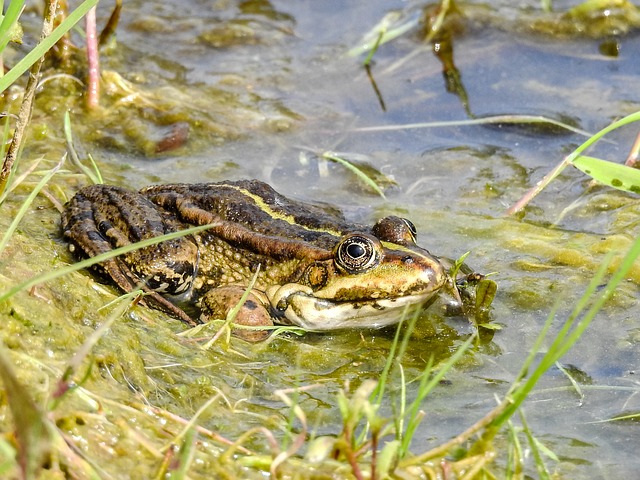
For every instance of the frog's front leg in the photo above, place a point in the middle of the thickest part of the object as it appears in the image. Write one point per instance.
(100, 218)
(218, 302)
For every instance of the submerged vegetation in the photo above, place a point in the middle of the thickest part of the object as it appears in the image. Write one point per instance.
(91, 390)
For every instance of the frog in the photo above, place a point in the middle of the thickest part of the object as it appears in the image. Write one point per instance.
(310, 267)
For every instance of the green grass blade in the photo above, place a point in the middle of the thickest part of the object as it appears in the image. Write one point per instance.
(30, 58)
(51, 275)
(427, 384)
(519, 392)
(572, 331)
(414, 418)
(359, 173)
(633, 117)
(378, 393)
(373, 51)
(514, 454)
(96, 169)
(536, 449)
(185, 458)
(573, 381)
(26, 204)
(488, 120)
(613, 174)
(32, 430)
(630, 416)
(389, 28)
(9, 22)
(94, 175)
(401, 411)
(559, 168)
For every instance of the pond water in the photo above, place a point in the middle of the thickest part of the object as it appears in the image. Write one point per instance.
(264, 88)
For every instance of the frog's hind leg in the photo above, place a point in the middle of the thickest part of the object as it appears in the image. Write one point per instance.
(128, 281)
(92, 233)
(85, 239)
(151, 297)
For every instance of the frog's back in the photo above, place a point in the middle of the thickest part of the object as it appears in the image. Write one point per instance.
(257, 206)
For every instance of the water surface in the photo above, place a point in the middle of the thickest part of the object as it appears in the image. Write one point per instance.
(265, 87)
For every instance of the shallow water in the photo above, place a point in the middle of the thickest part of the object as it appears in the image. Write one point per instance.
(267, 86)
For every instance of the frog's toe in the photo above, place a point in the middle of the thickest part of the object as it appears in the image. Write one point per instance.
(217, 304)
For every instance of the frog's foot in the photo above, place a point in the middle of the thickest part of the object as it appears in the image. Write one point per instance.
(217, 303)
(128, 281)
(292, 303)
(157, 301)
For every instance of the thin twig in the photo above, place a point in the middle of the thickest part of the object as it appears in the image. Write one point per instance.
(538, 187)
(93, 81)
(632, 159)
(458, 440)
(110, 28)
(26, 109)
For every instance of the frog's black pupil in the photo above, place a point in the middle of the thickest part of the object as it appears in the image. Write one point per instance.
(357, 254)
(355, 250)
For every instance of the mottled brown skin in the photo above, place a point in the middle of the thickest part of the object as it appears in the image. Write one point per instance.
(253, 229)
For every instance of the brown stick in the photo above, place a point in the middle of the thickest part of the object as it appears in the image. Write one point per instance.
(26, 108)
(109, 29)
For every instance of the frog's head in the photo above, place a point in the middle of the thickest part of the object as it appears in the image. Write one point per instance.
(368, 282)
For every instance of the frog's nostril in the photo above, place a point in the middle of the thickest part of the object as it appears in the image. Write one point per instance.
(408, 260)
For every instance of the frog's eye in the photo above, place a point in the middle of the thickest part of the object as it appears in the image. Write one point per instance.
(396, 230)
(357, 253)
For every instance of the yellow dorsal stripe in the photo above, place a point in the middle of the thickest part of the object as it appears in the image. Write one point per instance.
(290, 219)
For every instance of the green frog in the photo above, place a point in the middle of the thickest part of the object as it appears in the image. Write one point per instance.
(312, 268)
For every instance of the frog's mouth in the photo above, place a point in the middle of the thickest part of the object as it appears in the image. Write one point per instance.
(293, 305)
